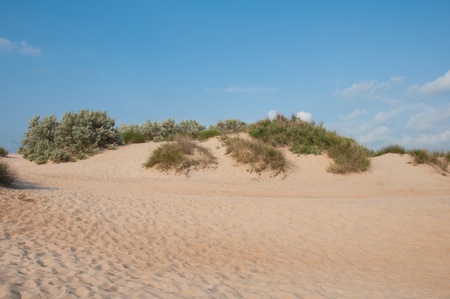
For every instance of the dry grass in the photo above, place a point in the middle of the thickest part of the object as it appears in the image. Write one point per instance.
(258, 155)
(182, 155)
(7, 174)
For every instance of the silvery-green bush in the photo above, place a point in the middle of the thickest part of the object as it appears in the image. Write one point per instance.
(190, 127)
(74, 136)
(229, 126)
(164, 130)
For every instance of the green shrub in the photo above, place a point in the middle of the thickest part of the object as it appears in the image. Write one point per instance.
(182, 155)
(7, 174)
(75, 135)
(3, 152)
(190, 128)
(229, 126)
(308, 138)
(206, 134)
(258, 155)
(393, 149)
(132, 137)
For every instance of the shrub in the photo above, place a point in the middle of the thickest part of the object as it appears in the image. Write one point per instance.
(75, 135)
(163, 131)
(7, 174)
(393, 149)
(182, 156)
(255, 153)
(206, 134)
(3, 152)
(229, 126)
(190, 128)
(133, 137)
(308, 138)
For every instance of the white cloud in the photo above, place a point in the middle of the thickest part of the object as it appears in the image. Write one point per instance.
(437, 86)
(22, 48)
(27, 49)
(6, 45)
(369, 90)
(353, 115)
(430, 118)
(272, 114)
(385, 116)
(305, 116)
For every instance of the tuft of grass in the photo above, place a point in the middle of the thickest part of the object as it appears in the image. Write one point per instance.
(206, 134)
(182, 155)
(7, 174)
(308, 138)
(437, 159)
(3, 152)
(258, 155)
(393, 149)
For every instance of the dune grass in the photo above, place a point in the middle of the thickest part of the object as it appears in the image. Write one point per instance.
(182, 155)
(308, 138)
(7, 174)
(393, 149)
(256, 154)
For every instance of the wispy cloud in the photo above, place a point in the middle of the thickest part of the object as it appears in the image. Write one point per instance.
(305, 116)
(438, 86)
(368, 89)
(23, 47)
(238, 89)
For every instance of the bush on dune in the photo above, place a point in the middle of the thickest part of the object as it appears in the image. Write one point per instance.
(308, 138)
(7, 174)
(255, 153)
(182, 155)
(73, 137)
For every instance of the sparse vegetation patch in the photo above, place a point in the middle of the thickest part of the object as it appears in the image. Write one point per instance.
(308, 138)
(3, 152)
(182, 155)
(256, 154)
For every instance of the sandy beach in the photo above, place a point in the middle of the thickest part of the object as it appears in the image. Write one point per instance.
(106, 227)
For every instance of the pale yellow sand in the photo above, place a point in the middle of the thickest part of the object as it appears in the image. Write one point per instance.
(107, 228)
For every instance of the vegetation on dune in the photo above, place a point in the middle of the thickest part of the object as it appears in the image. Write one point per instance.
(393, 149)
(7, 174)
(73, 137)
(438, 159)
(258, 155)
(182, 155)
(3, 152)
(308, 138)
(166, 130)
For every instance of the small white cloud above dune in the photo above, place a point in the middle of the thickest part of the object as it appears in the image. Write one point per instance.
(272, 114)
(23, 48)
(438, 86)
(305, 116)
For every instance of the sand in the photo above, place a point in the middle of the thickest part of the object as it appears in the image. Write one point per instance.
(107, 228)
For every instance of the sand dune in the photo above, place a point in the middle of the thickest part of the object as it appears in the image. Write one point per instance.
(107, 228)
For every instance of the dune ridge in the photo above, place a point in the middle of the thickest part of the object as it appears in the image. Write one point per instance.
(106, 227)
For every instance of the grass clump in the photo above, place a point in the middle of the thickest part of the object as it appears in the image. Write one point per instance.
(258, 155)
(3, 152)
(7, 174)
(308, 138)
(392, 149)
(436, 159)
(182, 155)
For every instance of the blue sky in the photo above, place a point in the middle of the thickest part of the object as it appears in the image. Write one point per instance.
(377, 71)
